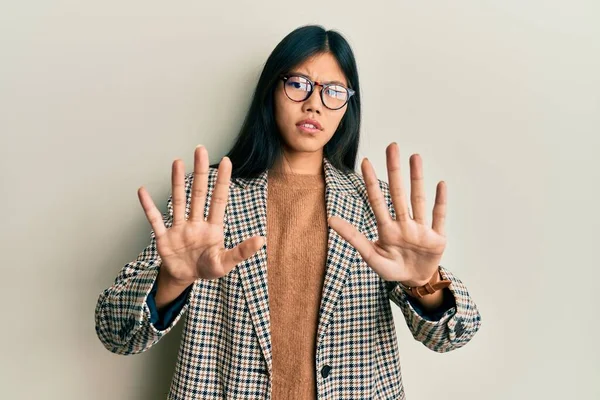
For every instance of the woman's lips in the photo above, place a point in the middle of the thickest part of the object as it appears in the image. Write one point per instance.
(307, 129)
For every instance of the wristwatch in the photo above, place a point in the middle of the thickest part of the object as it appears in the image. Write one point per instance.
(430, 287)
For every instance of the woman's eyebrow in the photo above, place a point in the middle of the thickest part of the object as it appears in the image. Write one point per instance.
(303, 74)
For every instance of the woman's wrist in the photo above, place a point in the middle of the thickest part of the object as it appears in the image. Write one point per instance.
(436, 277)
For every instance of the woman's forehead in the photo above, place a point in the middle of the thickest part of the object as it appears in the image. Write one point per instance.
(323, 68)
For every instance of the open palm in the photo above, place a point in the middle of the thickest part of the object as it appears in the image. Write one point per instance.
(408, 250)
(193, 248)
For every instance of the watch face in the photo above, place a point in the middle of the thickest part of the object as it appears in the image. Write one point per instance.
(404, 287)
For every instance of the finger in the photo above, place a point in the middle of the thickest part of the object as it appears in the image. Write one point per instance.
(376, 198)
(417, 189)
(218, 202)
(439, 209)
(153, 215)
(353, 236)
(199, 184)
(241, 252)
(178, 191)
(392, 155)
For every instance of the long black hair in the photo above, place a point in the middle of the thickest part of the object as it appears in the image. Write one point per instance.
(259, 144)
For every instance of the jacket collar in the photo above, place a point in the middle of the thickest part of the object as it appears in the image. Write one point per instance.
(335, 180)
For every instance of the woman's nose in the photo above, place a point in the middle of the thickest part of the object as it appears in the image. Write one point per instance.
(313, 102)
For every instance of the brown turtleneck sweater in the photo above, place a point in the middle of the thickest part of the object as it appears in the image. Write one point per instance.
(296, 258)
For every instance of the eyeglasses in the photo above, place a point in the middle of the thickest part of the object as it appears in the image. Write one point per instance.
(298, 88)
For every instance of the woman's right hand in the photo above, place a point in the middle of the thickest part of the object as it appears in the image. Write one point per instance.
(193, 248)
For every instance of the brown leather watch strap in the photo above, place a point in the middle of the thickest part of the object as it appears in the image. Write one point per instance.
(428, 288)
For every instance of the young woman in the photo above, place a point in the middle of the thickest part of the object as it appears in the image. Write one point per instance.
(314, 321)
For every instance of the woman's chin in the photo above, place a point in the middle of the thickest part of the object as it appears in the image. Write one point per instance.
(305, 146)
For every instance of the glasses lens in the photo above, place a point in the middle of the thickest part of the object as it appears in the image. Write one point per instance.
(297, 88)
(335, 96)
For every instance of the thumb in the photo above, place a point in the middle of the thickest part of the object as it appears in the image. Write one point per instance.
(242, 251)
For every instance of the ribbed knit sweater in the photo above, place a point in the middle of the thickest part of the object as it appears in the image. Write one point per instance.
(296, 258)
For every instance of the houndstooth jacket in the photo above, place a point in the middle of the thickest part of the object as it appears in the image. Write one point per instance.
(225, 350)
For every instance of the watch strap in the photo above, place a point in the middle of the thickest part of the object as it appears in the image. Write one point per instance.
(428, 288)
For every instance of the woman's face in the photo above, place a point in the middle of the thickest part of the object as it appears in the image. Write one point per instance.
(288, 113)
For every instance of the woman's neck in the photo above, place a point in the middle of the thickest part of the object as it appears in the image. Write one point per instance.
(299, 163)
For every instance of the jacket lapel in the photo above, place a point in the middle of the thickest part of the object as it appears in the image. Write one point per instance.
(247, 217)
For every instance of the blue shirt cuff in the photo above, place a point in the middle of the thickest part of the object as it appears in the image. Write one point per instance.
(434, 315)
(161, 319)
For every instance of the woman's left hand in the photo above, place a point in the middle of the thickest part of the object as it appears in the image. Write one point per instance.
(408, 250)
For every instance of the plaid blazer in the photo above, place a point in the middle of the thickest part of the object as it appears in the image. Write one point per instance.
(225, 351)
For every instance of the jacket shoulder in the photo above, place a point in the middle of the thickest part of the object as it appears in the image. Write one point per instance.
(361, 188)
(359, 183)
(212, 176)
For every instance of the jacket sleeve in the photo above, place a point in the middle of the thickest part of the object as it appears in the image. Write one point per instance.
(161, 319)
(435, 315)
(123, 317)
(446, 332)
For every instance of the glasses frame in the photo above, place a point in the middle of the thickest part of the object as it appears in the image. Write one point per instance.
(314, 84)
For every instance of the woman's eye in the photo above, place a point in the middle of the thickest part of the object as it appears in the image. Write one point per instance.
(335, 93)
(299, 84)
